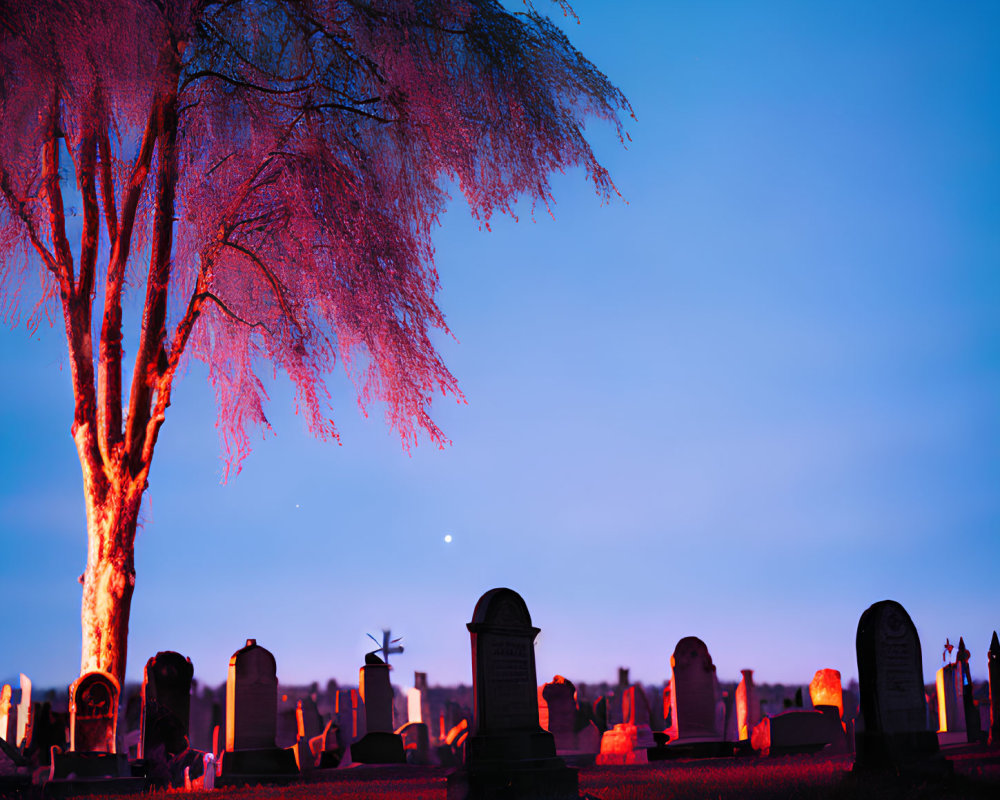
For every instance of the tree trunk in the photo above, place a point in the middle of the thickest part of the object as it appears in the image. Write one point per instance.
(109, 580)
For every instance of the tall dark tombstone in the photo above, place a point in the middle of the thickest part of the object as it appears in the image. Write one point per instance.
(891, 684)
(508, 754)
(973, 724)
(251, 721)
(166, 704)
(994, 664)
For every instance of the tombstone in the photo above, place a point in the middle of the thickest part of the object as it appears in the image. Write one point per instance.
(166, 704)
(380, 744)
(23, 713)
(890, 677)
(951, 717)
(635, 711)
(747, 707)
(575, 735)
(694, 694)
(93, 713)
(973, 727)
(799, 731)
(994, 671)
(251, 721)
(418, 700)
(350, 715)
(326, 748)
(416, 743)
(8, 725)
(508, 754)
(825, 690)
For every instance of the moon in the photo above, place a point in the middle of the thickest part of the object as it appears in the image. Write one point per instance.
(447, 538)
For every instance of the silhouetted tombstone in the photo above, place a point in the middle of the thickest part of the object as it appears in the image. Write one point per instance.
(93, 713)
(251, 721)
(694, 694)
(799, 731)
(890, 677)
(825, 690)
(166, 704)
(973, 725)
(416, 742)
(994, 671)
(508, 753)
(379, 745)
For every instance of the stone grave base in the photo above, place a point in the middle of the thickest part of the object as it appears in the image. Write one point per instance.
(541, 779)
(379, 747)
(248, 767)
(916, 752)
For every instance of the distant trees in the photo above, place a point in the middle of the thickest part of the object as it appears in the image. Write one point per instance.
(266, 175)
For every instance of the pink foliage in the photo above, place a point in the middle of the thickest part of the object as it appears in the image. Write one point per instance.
(315, 141)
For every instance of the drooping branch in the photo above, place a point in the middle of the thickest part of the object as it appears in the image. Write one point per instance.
(53, 193)
(272, 279)
(107, 184)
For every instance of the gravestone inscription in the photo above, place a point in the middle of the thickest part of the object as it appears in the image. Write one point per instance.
(890, 678)
(508, 753)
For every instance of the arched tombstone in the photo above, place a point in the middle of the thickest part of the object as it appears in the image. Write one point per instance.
(891, 684)
(251, 721)
(694, 694)
(93, 713)
(508, 753)
(166, 704)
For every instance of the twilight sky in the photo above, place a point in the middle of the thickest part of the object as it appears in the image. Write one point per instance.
(747, 403)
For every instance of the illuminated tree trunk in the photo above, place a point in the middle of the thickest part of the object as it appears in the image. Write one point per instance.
(109, 579)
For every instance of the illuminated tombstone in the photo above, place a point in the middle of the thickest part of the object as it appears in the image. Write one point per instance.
(508, 754)
(694, 694)
(417, 709)
(560, 698)
(825, 690)
(951, 718)
(93, 713)
(23, 713)
(166, 704)
(747, 707)
(252, 720)
(6, 718)
(891, 685)
(379, 745)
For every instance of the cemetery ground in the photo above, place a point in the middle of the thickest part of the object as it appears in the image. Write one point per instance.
(977, 775)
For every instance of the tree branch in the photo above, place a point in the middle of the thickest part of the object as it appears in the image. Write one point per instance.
(272, 279)
(107, 185)
(109, 366)
(151, 358)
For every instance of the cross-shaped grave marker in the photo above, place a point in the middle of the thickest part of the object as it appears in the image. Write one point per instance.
(387, 645)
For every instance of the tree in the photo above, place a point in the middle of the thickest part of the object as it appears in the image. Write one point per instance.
(264, 175)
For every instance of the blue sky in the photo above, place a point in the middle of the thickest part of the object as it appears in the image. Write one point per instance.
(755, 398)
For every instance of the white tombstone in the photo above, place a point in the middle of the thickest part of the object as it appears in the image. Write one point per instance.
(414, 700)
(951, 711)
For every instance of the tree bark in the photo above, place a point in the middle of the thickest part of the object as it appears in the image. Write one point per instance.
(109, 580)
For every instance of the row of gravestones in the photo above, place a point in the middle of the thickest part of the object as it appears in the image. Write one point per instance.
(506, 750)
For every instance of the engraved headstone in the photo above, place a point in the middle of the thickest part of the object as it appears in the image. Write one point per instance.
(508, 751)
(694, 695)
(890, 678)
(166, 704)
(93, 713)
